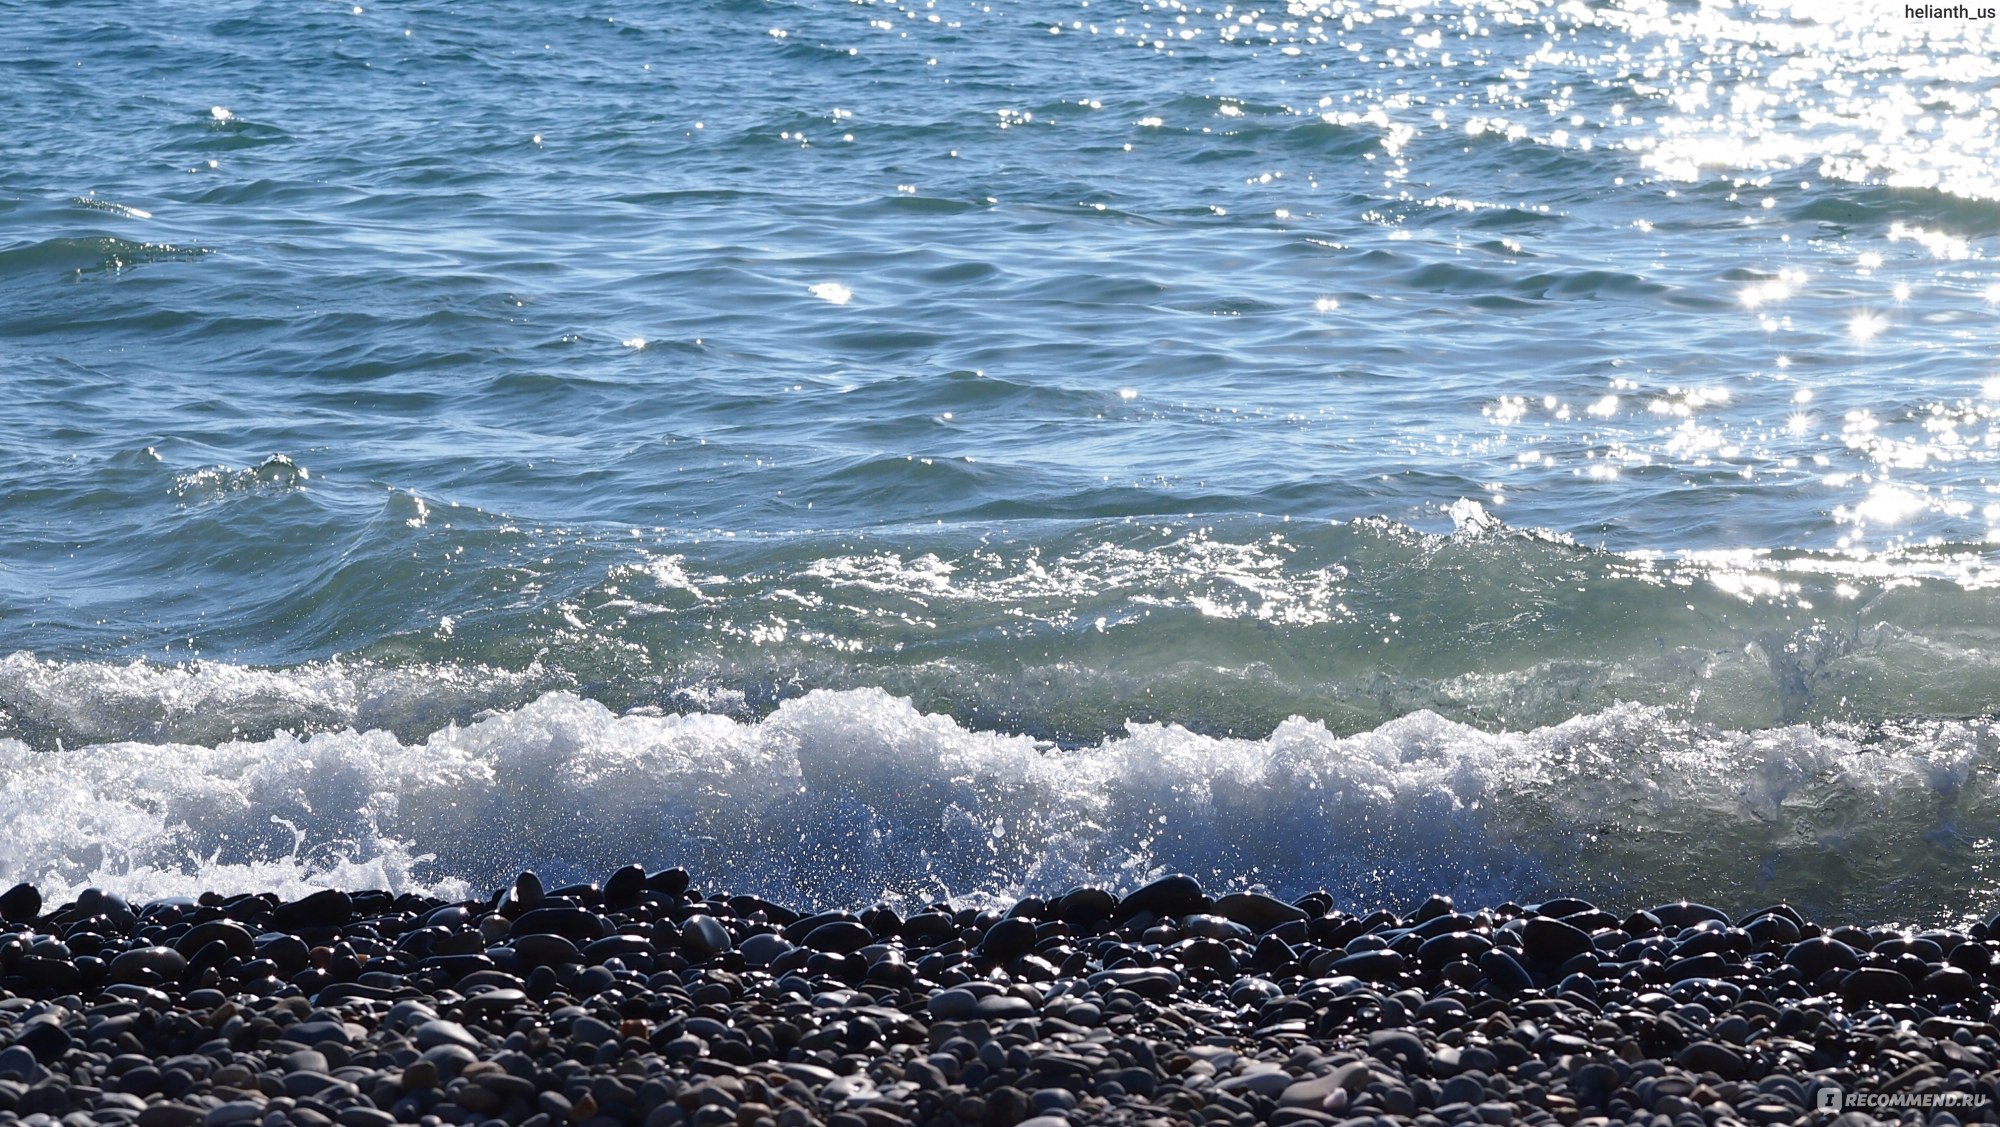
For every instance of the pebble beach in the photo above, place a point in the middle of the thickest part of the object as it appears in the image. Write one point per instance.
(647, 1000)
(1208, 563)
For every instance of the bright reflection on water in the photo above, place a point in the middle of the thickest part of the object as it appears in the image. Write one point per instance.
(1658, 278)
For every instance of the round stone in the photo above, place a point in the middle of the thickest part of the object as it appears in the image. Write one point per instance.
(704, 937)
(232, 936)
(1814, 957)
(132, 966)
(1006, 939)
(1177, 895)
(845, 936)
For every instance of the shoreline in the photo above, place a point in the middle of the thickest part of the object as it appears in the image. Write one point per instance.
(644, 1000)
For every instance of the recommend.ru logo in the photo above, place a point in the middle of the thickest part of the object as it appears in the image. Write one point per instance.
(1837, 1100)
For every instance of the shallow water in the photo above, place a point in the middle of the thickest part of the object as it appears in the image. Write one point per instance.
(1493, 446)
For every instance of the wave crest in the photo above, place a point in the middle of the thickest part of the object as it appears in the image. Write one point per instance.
(856, 795)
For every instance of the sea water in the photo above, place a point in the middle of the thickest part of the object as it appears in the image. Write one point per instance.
(903, 450)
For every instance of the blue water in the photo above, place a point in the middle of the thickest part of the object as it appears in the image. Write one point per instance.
(963, 411)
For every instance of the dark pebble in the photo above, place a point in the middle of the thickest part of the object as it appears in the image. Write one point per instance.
(1007, 938)
(1177, 895)
(842, 937)
(1552, 941)
(330, 908)
(704, 937)
(1814, 957)
(1257, 912)
(20, 904)
(146, 965)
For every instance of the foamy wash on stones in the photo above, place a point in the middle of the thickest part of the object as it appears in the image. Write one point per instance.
(897, 451)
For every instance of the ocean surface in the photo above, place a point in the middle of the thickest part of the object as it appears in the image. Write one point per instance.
(869, 450)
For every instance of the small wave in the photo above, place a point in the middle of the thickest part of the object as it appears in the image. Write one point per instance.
(83, 256)
(123, 210)
(277, 473)
(1870, 208)
(1063, 631)
(849, 796)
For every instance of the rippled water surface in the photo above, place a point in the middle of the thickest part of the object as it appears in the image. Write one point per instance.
(1488, 388)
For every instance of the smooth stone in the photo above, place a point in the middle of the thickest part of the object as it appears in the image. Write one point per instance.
(952, 1005)
(590, 1031)
(545, 950)
(1375, 966)
(625, 887)
(626, 947)
(841, 937)
(1431, 909)
(1875, 984)
(1082, 906)
(144, 996)
(313, 1082)
(17, 1062)
(1006, 939)
(1451, 946)
(235, 1111)
(451, 917)
(1709, 1056)
(1255, 911)
(1052, 1100)
(315, 1032)
(45, 1038)
(527, 893)
(20, 904)
(1952, 983)
(1399, 1043)
(329, 908)
(1157, 983)
(1553, 941)
(673, 882)
(1814, 957)
(573, 924)
(704, 937)
(1594, 1082)
(1177, 895)
(1268, 1083)
(407, 1015)
(1208, 925)
(1686, 913)
(1313, 1093)
(493, 1001)
(857, 1087)
(431, 1034)
(1272, 952)
(163, 961)
(231, 935)
(449, 1059)
(1003, 1007)
(170, 1115)
(1504, 972)
(763, 949)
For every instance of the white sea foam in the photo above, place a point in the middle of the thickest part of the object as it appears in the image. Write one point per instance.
(853, 795)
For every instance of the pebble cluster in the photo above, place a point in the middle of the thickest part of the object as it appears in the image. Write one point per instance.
(643, 1000)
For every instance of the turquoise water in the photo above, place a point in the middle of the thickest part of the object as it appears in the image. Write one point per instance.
(1588, 416)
